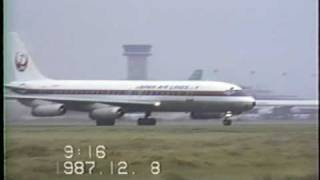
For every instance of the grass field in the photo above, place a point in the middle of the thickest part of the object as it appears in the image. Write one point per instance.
(240, 152)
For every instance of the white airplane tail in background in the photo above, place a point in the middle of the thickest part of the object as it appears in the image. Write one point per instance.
(20, 62)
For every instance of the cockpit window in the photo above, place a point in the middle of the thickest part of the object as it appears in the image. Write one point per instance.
(232, 92)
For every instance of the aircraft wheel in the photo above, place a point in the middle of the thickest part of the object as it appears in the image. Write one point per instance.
(227, 122)
(146, 121)
(105, 122)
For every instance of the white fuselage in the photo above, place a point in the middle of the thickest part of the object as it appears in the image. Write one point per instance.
(175, 96)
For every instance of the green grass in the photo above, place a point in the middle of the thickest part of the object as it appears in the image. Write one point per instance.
(241, 152)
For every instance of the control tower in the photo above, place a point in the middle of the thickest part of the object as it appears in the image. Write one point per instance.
(137, 60)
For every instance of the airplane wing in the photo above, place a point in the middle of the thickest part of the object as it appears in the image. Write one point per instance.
(122, 103)
(287, 103)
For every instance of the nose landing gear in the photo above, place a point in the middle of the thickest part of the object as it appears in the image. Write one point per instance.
(227, 119)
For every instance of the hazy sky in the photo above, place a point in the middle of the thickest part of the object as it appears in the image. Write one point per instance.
(82, 39)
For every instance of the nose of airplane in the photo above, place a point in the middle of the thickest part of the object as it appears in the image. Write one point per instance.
(250, 103)
(253, 104)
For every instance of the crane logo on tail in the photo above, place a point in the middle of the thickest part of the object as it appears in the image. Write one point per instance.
(21, 61)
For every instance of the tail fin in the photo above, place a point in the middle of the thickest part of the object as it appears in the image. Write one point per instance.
(19, 61)
(196, 75)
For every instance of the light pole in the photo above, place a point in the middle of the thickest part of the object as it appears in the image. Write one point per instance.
(283, 81)
(252, 74)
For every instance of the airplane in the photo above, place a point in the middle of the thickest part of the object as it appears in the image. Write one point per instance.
(107, 100)
(286, 109)
(196, 75)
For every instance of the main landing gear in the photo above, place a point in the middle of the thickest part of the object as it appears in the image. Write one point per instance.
(105, 122)
(227, 119)
(146, 121)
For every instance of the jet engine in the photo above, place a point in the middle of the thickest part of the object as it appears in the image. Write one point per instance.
(206, 115)
(107, 112)
(48, 110)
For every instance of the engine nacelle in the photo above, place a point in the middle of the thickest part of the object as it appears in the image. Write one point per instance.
(48, 110)
(206, 115)
(107, 112)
